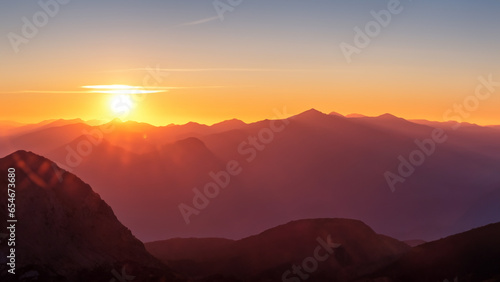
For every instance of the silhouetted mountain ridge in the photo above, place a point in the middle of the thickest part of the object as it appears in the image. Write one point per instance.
(470, 256)
(349, 247)
(65, 232)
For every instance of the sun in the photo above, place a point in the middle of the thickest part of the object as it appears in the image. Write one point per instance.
(121, 104)
(124, 98)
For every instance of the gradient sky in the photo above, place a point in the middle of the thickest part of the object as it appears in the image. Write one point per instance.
(263, 55)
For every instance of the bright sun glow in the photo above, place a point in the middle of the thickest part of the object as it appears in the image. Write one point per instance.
(121, 104)
(123, 100)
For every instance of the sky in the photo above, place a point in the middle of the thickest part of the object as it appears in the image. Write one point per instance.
(193, 61)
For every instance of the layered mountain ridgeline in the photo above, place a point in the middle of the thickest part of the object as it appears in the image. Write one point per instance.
(64, 231)
(311, 165)
(469, 256)
(313, 249)
(132, 136)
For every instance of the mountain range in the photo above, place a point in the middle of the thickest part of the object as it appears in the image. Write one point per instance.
(312, 165)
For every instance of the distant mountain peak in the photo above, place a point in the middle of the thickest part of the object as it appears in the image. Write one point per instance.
(194, 124)
(388, 116)
(115, 121)
(310, 114)
(230, 121)
(354, 115)
(313, 111)
(228, 125)
(335, 114)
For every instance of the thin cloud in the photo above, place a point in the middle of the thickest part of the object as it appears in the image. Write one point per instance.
(54, 91)
(202, 21)
(130, 90)
(122, 89)
(220, 69)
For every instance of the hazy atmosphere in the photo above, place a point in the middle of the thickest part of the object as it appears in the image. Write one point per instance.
(249, 141)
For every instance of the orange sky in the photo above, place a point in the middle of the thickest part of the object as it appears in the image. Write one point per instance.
(252, 96)
(239, 68)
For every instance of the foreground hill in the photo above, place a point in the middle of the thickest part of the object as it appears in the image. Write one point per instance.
(65, 232)
(470, 256)
(325, 250)
(357, 255)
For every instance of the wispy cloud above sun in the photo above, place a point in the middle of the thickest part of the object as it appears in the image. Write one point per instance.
(123, 89)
